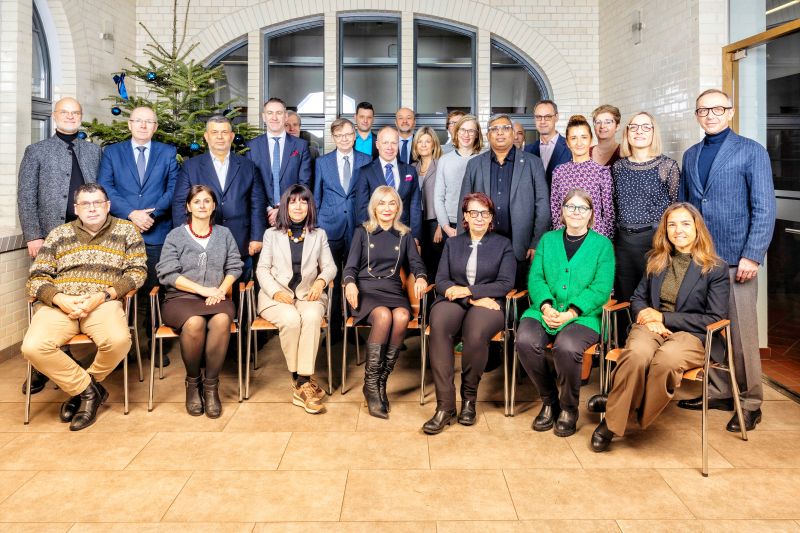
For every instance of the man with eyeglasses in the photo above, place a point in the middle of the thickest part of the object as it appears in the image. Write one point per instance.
(50, 173)
(551, 146)
(515, 182)
(80, 276)
(139, 176)
(452, 119)
(729, 179)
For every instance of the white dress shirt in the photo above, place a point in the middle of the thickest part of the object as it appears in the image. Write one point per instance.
(146, 151)
(221, 168)
(546, 149)
(340, 164)
(271, 143)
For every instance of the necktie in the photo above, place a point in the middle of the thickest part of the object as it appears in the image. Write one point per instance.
(346, 173)
(141, 164)
(404, 152)
(276, 171)
(389, 176)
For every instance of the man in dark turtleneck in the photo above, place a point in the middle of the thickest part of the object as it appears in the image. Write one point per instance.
(49, 174)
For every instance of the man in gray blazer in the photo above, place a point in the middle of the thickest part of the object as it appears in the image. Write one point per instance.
(515, 182)
(50, 173)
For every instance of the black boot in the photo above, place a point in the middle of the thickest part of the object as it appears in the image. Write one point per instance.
(372, 375)
(38, 381)
(597, 403)
(566, 424)
(389, 360)
(91, 399)
(69, 408)
(213, 406)
(194, 402)
(601, 438)
(467, 415)
(439, 421)
(546, 417)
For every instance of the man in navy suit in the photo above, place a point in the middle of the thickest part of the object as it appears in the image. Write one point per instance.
(729, 179)
(405, 120)
(551, 147)
(282, 159)
(139, 176)
(388, 170)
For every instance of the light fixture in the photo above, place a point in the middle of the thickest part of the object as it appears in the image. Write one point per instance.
(782, 6)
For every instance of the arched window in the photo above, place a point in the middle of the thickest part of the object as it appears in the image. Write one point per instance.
(234, 86)
(41, 96)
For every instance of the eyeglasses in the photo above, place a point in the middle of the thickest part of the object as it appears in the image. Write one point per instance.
(647, 128)
(140, 121)
(504, 128)
(582, 209)
(452, 123)
(340, 136)
(474, 213)
(66, 113)
(97, 204)
(471, 133)
(607, 122)
(717, 110)
(546, 118)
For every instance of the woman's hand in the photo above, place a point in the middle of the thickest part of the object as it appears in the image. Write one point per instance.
(214, 295)
(456, 292)
(419, 287)
(650, 315)
(351, 294)
(437, 235)
(316, 290)
(485, 302)
(451, 232)
(658, 328)
(283, 297)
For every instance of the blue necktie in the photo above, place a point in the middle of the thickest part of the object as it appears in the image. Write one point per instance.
(276, 172)
(141, 164)
(389, 176)
(404, 152)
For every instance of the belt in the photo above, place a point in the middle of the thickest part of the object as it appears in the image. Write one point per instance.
(638, 228)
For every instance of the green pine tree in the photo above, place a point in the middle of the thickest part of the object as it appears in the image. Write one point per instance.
(181, 93)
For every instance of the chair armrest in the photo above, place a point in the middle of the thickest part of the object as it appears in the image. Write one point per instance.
(516, 295)
(613, 307)
(429, 288)
(716, 326)
(155, 290)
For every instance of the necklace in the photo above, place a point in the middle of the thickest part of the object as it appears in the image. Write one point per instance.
(206, 236)
(301, 238)
(578, 239)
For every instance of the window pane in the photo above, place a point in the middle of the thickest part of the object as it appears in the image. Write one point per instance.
(444, 70)
(370, 66)
(38, 130)
(514, 90)
(377, 86)
(295, 69)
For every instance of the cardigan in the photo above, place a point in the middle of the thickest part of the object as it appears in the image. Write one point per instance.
(450, 172)
(584, 282)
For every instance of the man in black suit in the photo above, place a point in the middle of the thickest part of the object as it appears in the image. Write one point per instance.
(551, 147)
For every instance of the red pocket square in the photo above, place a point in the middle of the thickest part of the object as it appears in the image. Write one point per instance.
(409, 177)
(295, 153)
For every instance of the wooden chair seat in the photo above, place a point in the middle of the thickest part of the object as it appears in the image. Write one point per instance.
(80, 338)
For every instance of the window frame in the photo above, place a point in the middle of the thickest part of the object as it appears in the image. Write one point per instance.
(41, 108)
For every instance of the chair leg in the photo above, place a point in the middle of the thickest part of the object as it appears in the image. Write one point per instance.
(161, 359)
(153, 342)
(423, 355)
(330, 360)
(358, 347)
(252, 344)
(344, 358)
(734, 384)
(513, 403)
(28, 394)
(506, 396)
(125, 383)
(136, 344)
(239, 360)
(704, 425)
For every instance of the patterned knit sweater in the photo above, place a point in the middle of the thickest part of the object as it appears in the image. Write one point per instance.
(74, 262)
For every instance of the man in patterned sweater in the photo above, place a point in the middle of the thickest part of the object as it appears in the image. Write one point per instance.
(80, 275)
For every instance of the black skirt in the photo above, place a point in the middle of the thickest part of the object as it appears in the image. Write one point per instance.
(374, 292)
(177, 309)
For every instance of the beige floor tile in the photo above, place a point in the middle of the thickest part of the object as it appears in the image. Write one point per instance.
(119, 496)
(288, 417)
(410, 416)
(524, 526)
(499, 449)
(763, 449)
(171, 389)
(774, 394)
(36, 528)
(44, 418)
(10, 392)
(259, 496)
(765, 493)
(212, 451)
(14, 368)
(359, 450)
(164, 417)
(83, 527)
(777, 415)
(346, 527)
(72, 451)
(5, 438)
(558, 494)
(426, 495)
(13, 481)
(707, 526)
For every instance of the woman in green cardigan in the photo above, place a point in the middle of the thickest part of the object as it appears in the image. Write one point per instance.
(569, 282)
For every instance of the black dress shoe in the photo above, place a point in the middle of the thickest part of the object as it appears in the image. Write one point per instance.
(597, 403)
(439, 421)
(91, 400)
(601, 438)
(696, 404)
(751, 418)
(467, 415)
(546, 417)
(38, 381)
(566, 423)
(69, 408)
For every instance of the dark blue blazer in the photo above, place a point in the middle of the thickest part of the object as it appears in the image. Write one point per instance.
(561, 154)
(738, 201)
(295, 163)
(120, 178)
(241, 207)
(336, 208)
(372, 176)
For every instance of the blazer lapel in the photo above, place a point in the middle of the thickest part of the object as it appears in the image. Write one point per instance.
(155, 150)
(725, 151)
(308, 246)
(211, 172)
(694, 160)
(288, 148)
(690, 279)
(284, 249)
(332, 164)
(655, 290)
(127, 155)
(561, 145)
(486, 166)
(233, 169)
(516, 175)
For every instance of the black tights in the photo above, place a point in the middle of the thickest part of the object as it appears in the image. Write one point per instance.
(388, 325)
(195, 341)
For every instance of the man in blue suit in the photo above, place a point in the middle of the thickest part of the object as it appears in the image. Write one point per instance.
(729, 179)
(282, 159)
(139, 176)
(551, 147)
(388, 170)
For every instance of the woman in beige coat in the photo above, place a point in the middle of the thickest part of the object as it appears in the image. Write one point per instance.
(295, 267)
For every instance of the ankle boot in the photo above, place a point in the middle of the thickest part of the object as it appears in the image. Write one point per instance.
(213, 406)
(372, 373)
(91, 399)
(194, 402)
(389, 360)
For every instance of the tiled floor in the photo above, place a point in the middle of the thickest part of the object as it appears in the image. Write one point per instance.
(267, 466)
(782, 365)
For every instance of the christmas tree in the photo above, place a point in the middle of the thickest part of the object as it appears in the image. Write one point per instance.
(179, 90)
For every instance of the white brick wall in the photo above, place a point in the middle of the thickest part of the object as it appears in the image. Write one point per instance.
(13, 299)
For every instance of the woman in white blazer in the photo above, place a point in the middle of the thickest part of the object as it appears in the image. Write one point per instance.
(295, 267)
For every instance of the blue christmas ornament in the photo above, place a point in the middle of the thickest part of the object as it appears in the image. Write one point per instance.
(81, 135)
(151, 76)
(194, 147)
(119, 79)
(116, 111)
(238, 138)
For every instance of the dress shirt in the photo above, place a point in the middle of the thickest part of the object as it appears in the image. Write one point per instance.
(395, 170)
(340, 164)
(221, 167)
(546, 149)
(146, 151)
(271, 142)
(501, 191)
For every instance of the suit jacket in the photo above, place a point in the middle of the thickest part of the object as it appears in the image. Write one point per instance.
(43, 184)
(336, 208)
(240, 206)
(496, 271)
(274, 270)
(372, 176)
(295, 164)
(119, 176)
(530, 197)
(561, 154)
(738, 201)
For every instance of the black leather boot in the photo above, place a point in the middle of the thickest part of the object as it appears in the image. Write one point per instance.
(546, 417)
(601, 438)
(91, 399)
(390, 357)
(69, 408)
(597, 403)
(467, 415)
(211, 402)
(38, 381)
(566, 424)
(194, 401)
(439, 421)
(372, 376)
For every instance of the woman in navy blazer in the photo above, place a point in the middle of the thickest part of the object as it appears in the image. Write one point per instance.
(476, 271)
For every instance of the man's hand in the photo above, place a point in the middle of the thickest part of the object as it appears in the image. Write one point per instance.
(71, 305)
(437, 235)
(33, 247)
(92, 301)
(456, 292)
(283, 297)
(451, 232)
(649, 315)
(351, 294)
(316, 290)
(658, 328)
(142, 219)
(747, 270)
(254, 247)
(529, 254)
(485, 302)
(272, 215)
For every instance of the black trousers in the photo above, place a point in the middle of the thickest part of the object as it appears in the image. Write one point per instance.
(431, 251)
(630, 251)
(562, 371)
(477, 326)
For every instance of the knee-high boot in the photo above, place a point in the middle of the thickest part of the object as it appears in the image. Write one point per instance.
(389, 360)
(372, 374)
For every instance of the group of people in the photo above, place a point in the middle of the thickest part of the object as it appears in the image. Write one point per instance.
(574, 219)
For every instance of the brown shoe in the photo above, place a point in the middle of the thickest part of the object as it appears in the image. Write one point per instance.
(319, 392)
(305, 396)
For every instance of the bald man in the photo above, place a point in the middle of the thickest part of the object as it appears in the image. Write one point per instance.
(405, 120)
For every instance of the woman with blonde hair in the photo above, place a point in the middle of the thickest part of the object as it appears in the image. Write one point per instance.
(685, 288)
(374, 290)
(426, 151)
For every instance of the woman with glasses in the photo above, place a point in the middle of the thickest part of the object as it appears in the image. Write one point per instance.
(476, 272)
(583, 173)
(606, 120)
(426, 151)
(569, 282)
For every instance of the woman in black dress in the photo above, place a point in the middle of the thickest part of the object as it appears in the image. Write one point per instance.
(371, 278)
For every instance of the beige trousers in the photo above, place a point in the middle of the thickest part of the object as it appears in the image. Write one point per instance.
(648, 371)
(299, 330)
